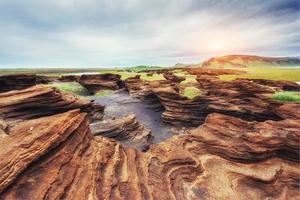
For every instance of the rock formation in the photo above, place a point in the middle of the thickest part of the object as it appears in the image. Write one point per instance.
(97, 82)
(37, 101)
(226, 158)
(247, 146)
(282, 85)
(126, 130)
(21, 81)
(241, 98)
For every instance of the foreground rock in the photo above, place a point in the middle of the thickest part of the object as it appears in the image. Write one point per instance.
(97, 82)
(38, 101)
(127, 130)
(21, 81)
(226, 158)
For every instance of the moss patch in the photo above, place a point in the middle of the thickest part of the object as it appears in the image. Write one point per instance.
(287, 96)
(192, 92)
(71, 87)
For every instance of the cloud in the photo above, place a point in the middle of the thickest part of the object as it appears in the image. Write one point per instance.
(79, 33)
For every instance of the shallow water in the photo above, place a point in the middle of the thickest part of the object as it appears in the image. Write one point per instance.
(120, 104)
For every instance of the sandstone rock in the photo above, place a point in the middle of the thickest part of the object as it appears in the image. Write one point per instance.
(173, 78)
(97, 82)
(40, 101)
(127, 130)
(232, 159)
(20, 81)
(69, 78)
(283, 85)
(32, 139)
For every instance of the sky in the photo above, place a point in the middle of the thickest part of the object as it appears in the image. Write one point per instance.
(112, 33)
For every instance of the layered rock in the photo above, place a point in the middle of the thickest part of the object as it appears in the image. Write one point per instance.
(227, 158)
(97, 82)
(173, 78)
(282, 85)
(37, 101)
(126, 130)
(21, 81)
(69, 78)
(240, 98)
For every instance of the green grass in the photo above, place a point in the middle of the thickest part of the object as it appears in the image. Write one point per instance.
(189, 78)
(71, 87)
(141, 68)
(287, 96)
(191, 92)
(271, 73)
(154, 77)
(128, 74)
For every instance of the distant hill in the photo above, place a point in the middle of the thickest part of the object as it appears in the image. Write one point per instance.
(250, 61)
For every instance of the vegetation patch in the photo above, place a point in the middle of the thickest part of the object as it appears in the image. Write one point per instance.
(270, 73)
(154, 77)
(142, 68)
(189, 78)
(71, 87)
(192, 92)
(287, 96)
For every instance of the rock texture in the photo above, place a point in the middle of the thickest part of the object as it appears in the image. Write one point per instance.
(97, 82)
(241, 98)
(21, 81)
(282, 85)
(37, 101)
(247, 146)
(126, 130)
(226, 158)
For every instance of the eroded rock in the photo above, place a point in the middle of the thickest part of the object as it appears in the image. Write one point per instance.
(21, 81)
(38, 101)
(126, 130)
(97, 82)
(244, 160)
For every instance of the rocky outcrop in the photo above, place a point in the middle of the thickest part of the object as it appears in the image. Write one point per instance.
(57, 158)
(172, 77)
(38, 101)
(69, 78)
(126, 130)
(282, 85)
(21, 81)
(97, 82)
(240, 98)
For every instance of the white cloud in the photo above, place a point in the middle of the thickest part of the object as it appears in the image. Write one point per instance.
(110, 33)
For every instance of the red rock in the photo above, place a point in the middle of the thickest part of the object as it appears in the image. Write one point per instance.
(97, 82)
(20, 81)
(126, 130)
(40, 101)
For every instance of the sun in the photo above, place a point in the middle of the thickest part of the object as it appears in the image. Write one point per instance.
(217, 45)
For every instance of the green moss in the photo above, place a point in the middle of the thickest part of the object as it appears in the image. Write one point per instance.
(287, 96)
(192, 92)
(71, 87)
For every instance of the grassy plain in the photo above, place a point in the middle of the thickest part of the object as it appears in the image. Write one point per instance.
(271, 73)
